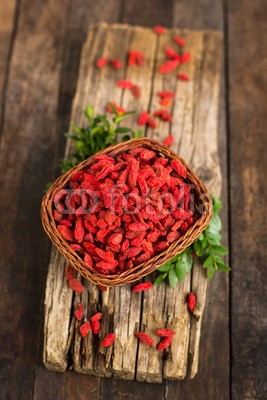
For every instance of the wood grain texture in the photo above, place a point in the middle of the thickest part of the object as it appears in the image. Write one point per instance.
(26, 156)
(8, 25)
(123, 311)
(248, 142)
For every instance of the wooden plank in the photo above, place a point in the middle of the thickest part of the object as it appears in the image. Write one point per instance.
(213, 379)
(248, 141)
(154, 311)
(8, 26)
(82, 14)
(26, 158)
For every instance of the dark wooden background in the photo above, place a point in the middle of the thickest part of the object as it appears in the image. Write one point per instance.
(40, 45)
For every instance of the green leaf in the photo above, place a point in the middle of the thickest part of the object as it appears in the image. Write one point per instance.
(159, 279)
(198, 248)
(122, 130)
(217, 205)
(165, 267)
(89, 113)
(208, 261)
(211, 272)
(173, 280)
(223, 267)
(219, 250)
(215, 223)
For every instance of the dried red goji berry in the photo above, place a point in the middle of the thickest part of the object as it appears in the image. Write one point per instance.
(151, 123)
(137, 226)
(66, 233)
(185, 57)
(168, 141)
(115, 63)
(132, 252)
(172, 236)
(164, 343)
(180, 41)
(85, 329)
(78, 313)
(77, 247)
(143, 118)
(75, 285)
(164, 332)
(108, 340)
(125, 84)
(57, 215)
(165, 102)
(183, 77)
(79, 231)
(69, 272)
(105, 255)
(107, 265)
(101, 62)
(179, 168)
(88, 259)
(96, 317)
(144, 338)
(115, 238)
(136, 91)
(168, 66)
(159, 30)
(165, 93)
(142, 286)
(95, 325)
(65, 222)
(191, 301)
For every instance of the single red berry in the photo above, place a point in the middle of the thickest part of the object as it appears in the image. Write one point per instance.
(125, 84)
(136, 91)
(108, 340)
(168, 66)
(85, 329)
(159, 30)
(185, 57)
(69, 272)
(164, 343)
(96, 317)
(143, 118)
(142, 286)
(191, 301)
(183, 77)
(116, 64)
(165, 93)
(144, 338)
(165, 332)
(95, 325)
(75, 285)
(101, 62)
(180, 41)
(78, 313)
(168, 141)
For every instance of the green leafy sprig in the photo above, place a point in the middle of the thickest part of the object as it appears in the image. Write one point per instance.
(207, 248)
(98, 135)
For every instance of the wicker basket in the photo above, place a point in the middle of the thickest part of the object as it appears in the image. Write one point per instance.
(139, 271)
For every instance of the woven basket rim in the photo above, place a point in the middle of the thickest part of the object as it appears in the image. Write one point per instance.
(141, 270)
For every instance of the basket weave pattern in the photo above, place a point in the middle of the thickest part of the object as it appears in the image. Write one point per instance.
(137, 272)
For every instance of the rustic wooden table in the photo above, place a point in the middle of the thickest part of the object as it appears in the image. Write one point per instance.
(40, 44)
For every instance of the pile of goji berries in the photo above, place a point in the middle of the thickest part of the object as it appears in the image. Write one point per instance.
(125, 209)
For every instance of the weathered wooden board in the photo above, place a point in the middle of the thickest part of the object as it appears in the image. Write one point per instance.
(195, 129)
